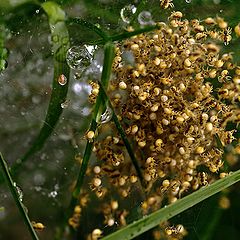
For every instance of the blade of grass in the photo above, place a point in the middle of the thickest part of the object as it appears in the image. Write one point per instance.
(18, 202)
(126, 35)
(140, 226)
(60, 45)
(122, 134)
(90, 26)
(109, 51)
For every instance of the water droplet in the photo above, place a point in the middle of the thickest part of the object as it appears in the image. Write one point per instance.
(65, 104)
(127, 12)
(65, 40)
(145, 18)
(97, 25)
(188, 1)
(62, 80)
(91, 48)
(53, 194)
(107, 115)
(78, 57)
(55, 38)
(19, 191)
(37, 11)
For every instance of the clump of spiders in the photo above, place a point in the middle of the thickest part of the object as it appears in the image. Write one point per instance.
(174, 116)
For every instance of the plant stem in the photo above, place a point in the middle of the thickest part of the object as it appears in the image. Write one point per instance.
(144, 224)
(18, 202)
(109, 51)
(123, 135)
(90, 26)
(126, 35)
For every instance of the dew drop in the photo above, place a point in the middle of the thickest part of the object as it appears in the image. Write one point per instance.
(65, 104)
(188, 1)
(37, 11)
(107, 115)
(127, 12)
(78, 57)
(145, 18)
(53, 194)
(55, 38)
(97, 25)
(62, 80)
(19, 192)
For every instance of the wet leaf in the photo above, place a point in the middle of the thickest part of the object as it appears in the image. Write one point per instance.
(60, 45)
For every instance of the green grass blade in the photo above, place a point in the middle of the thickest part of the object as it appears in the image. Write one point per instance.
(123, 135)
(90, 26)
(109, 51)
(126, 35)
(60, 45)
(140, 226)
(18, 202)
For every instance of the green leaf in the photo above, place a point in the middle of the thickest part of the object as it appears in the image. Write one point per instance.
(60, 45)
(144, 224)
(19, 204)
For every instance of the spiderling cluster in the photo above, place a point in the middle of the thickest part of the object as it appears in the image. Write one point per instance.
(174, 103)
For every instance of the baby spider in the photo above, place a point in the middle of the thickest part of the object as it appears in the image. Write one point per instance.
(166, 4)
(226, 35)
